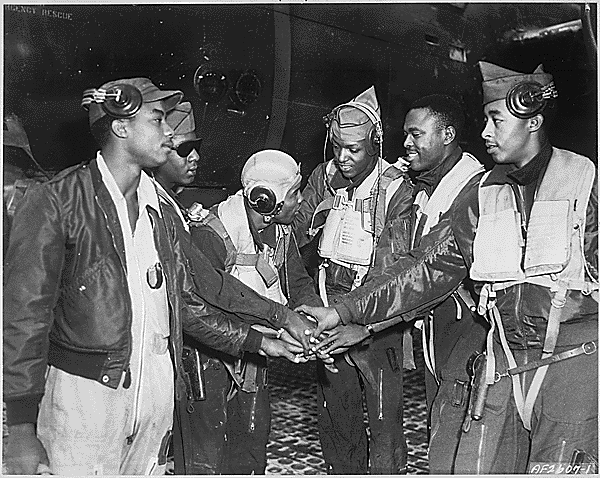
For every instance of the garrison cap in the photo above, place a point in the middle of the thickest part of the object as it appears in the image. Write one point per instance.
(498, 81)
(150, 93)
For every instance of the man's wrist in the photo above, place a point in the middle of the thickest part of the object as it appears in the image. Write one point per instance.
(344, 310)
(23, 410)
(253, 341)
(281, 316)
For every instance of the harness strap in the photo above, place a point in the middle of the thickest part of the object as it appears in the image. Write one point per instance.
(586, 348)
(324, 205)
(586, 288)
(526, 400)
(517, 390)
(554, 319)
(428, 350)
(321, 282)
(246, 259)
(211, 220)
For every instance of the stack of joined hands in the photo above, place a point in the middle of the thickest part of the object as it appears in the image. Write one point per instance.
(315, 333)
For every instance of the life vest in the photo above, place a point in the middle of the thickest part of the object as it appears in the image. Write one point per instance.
(553, 255)
(428, 214)
(430, 209)
(259, 270)
(353, 227)
(555, 233)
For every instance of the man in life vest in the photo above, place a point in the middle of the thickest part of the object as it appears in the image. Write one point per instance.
(249, 236)
(362, 204)
(529, 234)
(190, 447)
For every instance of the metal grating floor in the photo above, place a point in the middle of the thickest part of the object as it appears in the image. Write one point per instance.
(294, 447)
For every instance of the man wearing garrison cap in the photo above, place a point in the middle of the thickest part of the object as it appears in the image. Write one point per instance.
(529, 236)
(98, 293)
(362, 204)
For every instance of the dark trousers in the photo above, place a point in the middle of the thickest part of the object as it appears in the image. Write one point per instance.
(216, 436)
(341, 419)
(565, 419)
(448, 397)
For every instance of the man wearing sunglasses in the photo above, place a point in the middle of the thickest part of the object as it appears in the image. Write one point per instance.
(180, 169)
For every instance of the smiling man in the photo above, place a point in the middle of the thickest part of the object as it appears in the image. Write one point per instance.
(366, 203)
(451, 331)
(529, 236)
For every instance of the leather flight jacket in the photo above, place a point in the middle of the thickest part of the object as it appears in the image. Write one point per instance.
(74, 290)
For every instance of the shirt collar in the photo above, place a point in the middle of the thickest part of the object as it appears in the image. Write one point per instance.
(338, 181)
(532, 171)
(146, 191)
(534, 168)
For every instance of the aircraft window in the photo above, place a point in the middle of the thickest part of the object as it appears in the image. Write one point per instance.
(247, 89)
(211, 86)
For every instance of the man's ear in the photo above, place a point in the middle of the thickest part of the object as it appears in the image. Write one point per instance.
(535, 123)
(119, 128)
(449, 134)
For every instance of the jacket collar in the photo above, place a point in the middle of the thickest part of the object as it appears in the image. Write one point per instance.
(110, 211)
(428, 180)
(146, 190)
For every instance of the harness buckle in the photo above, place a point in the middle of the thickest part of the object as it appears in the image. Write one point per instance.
(589, 348)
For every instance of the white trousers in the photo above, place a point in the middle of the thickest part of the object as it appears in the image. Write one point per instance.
(90, 429)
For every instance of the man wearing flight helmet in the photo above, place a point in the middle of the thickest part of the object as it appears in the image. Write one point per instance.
(366, 204)
(95, 298)
(249, 236)
(529, 235)
(196, 415)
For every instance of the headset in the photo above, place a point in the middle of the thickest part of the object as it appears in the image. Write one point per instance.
(118, 101)
(375, 134)
(527, 99)
(263, 200)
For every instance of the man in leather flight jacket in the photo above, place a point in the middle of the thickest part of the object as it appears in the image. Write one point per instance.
(98, 289)
(530, 234)
(198, 415)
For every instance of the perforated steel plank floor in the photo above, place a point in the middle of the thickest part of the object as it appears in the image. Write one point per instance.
(294, 447)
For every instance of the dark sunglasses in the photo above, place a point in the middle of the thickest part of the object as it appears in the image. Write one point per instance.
(185, 148)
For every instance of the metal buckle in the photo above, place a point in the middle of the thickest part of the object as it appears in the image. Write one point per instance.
(589, 348)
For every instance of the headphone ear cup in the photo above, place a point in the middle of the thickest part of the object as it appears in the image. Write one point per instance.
(262, 200)
(128, 103)
(525, 100)
(374, 140)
